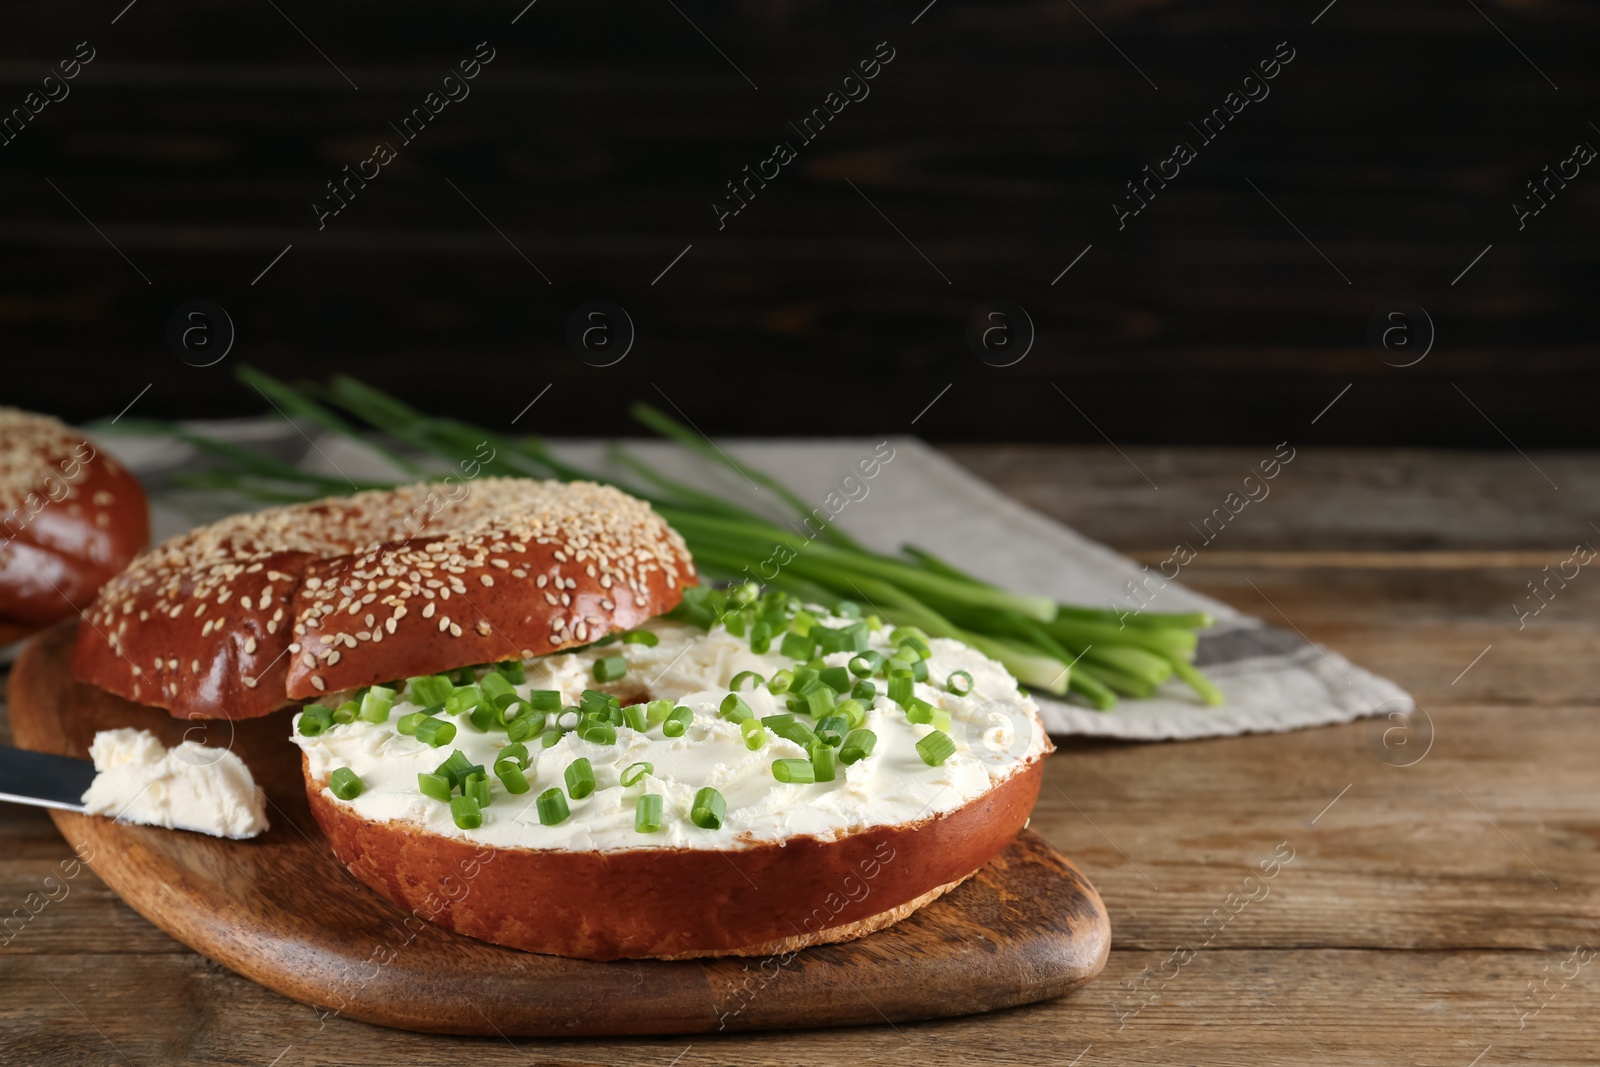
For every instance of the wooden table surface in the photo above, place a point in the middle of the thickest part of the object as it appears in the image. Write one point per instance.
(1433, 898)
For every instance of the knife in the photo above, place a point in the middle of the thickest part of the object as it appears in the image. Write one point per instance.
(43, 780)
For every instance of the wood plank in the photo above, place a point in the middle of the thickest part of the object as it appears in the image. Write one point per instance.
(1234, 1007)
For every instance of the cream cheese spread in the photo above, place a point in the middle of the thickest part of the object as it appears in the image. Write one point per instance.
(189, 787)
(995, 727)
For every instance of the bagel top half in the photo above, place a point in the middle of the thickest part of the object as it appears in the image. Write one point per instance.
(241, 617)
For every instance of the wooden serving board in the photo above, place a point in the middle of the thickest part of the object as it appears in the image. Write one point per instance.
(282, 911)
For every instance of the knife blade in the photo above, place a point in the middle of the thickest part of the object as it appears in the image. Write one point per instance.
(44, 780)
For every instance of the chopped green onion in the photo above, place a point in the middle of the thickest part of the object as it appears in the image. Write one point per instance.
(793, 771)
(467, 813)
(656, 712)
(740, 678)
(633, 773)
(754, 734)
(835, 678)
(428, 689)
(866, 664)
(610, 668)
(512, 670)
(848, 608)
(580, 778)
(636, 717)
(735, 710)
(485, 717)
(959, 683)
(346, 712)
(919, 710)
(314, 720)
(820, 701)
(853, 711)
(787, 726)
(436, 786)
(476, 786)
(496, 688)
(598, 733)
(511, 776)
(935, 748)
(463, 698)
(851, 638)
(454, 769)
(527, 724)
(552, 807)
(677, 722)
(901, 686)
(781, 681)
(375, 704)
(864, 691)
(798, 646)
(598, 700)
(708, 809)
(464, 676)
(406, 725)
(858, 745)
(824, 762)
(760, 638)
(647, 813)
(435, 732)
(569, 718)
(515, 751)
(832, 729)
(919, 670)
(641, 637)
(551, 738)
(345, 783)
(545, 699)
(911, 635)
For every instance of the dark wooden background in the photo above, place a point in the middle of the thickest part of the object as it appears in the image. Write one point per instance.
(996, 140)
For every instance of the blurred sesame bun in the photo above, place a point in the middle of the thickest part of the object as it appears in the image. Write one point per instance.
(72, 517)
(244, 616)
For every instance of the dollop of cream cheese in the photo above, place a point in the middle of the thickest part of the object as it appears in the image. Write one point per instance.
(190, 787)
(996, 728)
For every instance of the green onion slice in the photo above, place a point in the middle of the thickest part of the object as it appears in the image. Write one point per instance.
(510, 774)
(436, 786)
(345, 783)
(552, 807)
(610, 668)
(858, 745)
(708, 809)
(647, 813)
(515, 751)
(476, 786)
(793, 771)
(641, 637)
(935, 748)
(959, 683)
(429, 689)
(467, 813)
(580, 778)
(375, 704)
(677, 722)
(824, 762)
(314, 720)
(743, 676)
(754, 734)
(633, 773)
(735, 710)
(435, 732)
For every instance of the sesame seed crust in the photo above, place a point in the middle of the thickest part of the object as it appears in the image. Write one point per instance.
(70, 518)
(285, 604)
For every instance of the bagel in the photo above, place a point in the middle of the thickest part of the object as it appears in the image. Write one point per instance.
(239, 618)
(789, 864)
(72, 517)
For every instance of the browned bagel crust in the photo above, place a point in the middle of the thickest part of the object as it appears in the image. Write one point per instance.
(676, 903)
(70, 516)
(239, 618)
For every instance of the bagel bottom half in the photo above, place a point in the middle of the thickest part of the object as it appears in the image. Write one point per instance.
(678, 903)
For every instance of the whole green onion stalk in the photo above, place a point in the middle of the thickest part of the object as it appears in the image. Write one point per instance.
(1094, 654)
